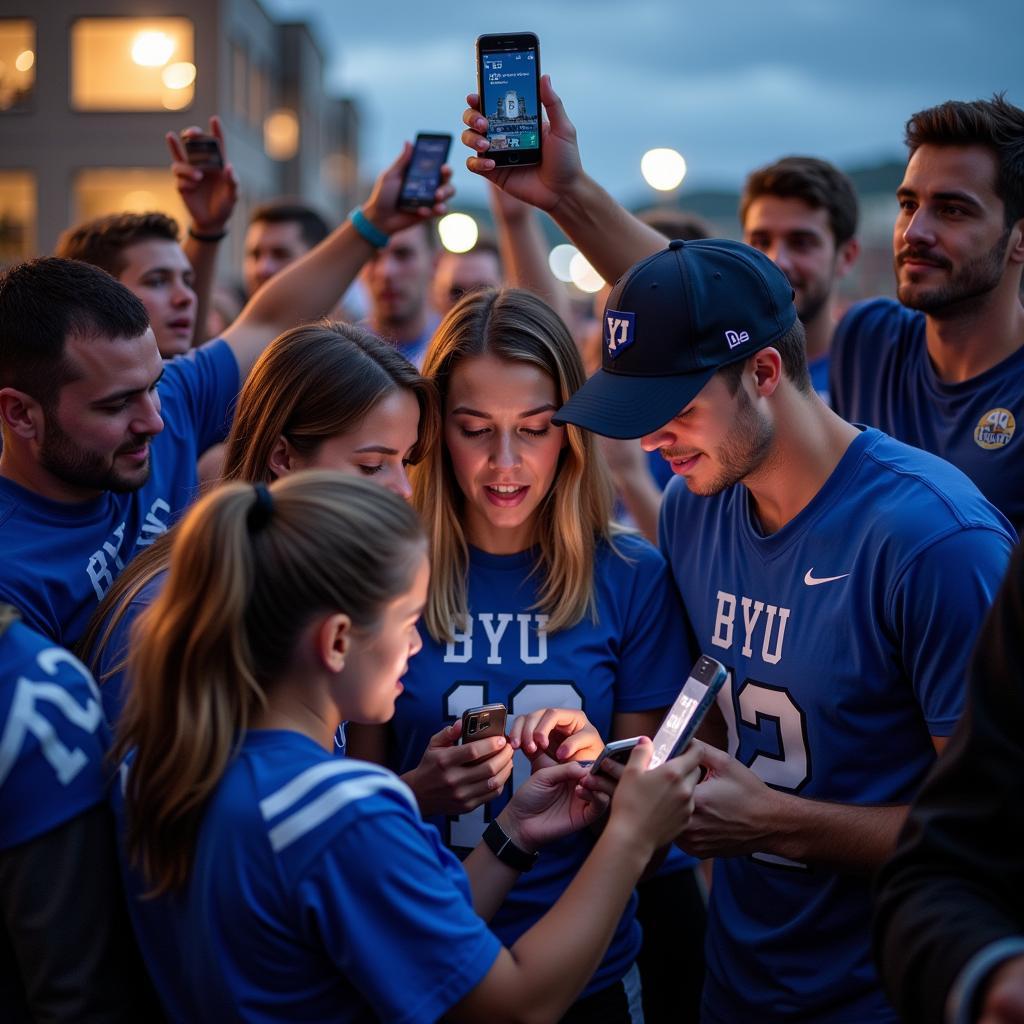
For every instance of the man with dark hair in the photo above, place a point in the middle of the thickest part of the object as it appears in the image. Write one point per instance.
(279, 232)
(802, 212)
(941, 369)
(949, 926)
(398, 280)
(141, 250)
(838, 574)
(461, 272)
(824, 566)
(96, 461)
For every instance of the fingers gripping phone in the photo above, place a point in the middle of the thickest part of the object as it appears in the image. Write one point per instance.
(204, 152)
(508, 83)
(423, 172)
(482, 722)
(683, 720)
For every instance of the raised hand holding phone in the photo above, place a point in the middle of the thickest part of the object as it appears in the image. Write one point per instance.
(205, 180)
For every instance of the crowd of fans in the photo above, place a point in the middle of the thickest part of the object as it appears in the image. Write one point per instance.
(260, 558)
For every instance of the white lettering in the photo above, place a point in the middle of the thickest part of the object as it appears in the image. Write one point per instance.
(463, 641)
(722, 636)
(749, 622)
(524, 639)
(773, 658)
(495, 635)
(98, 567)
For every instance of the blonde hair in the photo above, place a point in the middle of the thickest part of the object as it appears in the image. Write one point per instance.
(247, 575)
(311, 383)
(574, 515)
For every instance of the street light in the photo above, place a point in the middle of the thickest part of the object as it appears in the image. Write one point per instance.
(458, 232)
(663, 169)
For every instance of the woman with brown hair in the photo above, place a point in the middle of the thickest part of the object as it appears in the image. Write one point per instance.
(536, 601)
(270, 880)
(323, 395)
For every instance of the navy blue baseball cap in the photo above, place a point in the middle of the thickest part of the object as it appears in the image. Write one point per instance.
(671, 322)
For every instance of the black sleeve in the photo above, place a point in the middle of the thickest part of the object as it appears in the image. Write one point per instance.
(956, 882)
(66, 929)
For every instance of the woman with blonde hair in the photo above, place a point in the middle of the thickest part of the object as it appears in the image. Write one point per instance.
(536, 601)
(269, 880)
(323, 395)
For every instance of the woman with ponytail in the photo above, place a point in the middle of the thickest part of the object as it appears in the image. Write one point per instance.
(269, 880)
(323, 395)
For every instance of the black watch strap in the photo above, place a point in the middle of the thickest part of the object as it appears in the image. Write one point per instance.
(506, 851)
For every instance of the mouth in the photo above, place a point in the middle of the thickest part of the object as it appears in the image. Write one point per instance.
(681, 464)
(505, 495)
(136, 455)
(916, 261)
(180, 324)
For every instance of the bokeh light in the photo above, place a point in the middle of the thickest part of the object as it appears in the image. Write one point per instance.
(663, 169)
(559, 259)
(584, 276)
(458, 232)
(152, 49)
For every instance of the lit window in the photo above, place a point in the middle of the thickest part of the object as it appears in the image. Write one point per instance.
(132, 64)
(17, 216)
(17, 63)
(103, 190)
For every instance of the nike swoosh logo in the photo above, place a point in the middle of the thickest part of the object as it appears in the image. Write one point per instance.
(812, 581)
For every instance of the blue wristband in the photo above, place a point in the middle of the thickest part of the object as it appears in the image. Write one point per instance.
(371, 234)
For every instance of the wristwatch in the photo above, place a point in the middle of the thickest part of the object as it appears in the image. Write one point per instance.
(506, 851)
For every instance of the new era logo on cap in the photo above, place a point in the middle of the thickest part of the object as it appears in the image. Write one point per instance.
(736, 338)
(619, 331)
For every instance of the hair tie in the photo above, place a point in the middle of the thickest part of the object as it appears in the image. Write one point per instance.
(262, 510)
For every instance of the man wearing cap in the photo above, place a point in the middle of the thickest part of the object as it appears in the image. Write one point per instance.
(838, 574)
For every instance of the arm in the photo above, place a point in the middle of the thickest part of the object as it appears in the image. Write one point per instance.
(309, 287)
(539, 977)
(210, 197)
(634, 483)
(523, 254)
(956, 885)
(606, 233)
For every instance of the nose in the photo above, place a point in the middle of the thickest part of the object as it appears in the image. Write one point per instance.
(505, 454)
(398, 483)
(919, 230)
(663, 437)
(417, 645)
(780, 255)
(183, 295)
(148, 421)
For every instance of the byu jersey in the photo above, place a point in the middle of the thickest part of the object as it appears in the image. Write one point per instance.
(882, 376)
(60, 558)
(847, 635)
(316, 894)
(53, 737)
(634, 658)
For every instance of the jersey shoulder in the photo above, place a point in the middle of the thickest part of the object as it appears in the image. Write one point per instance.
(877, 322)
(306, 799)
(53, 737)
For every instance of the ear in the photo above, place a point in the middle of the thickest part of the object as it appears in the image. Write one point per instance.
(1016, 245)
(21, 414)
(846, 256)
(282, 456)
(333, 639)
(767, 367)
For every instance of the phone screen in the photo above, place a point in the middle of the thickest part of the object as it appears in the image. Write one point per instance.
(688, 710)
(511, 98)
(423, 174)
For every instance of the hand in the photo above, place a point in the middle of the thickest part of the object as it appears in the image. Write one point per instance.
(209, 195)
(542, 185)
(549, 805)
(654, 806)
(553, 735)
(446, 783)
(381, 208)
(733, 812)
(1003, 1001)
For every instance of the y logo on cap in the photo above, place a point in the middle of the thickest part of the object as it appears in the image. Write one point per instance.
(735, 338)
(619, 331)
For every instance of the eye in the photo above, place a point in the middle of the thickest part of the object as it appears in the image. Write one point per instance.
(466, 432)
(371, 470)
(535, 433)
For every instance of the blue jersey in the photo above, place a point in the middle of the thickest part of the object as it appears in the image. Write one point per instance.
(53, 737)
(846, 634)
(634, 658)
(61, 558)
(882, 376)
(316, 894)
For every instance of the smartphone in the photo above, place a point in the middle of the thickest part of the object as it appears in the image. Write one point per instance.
(687, 712)
(204, 152)
(483, 722)
(423, 173)
(508, 82)
(617, 750)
